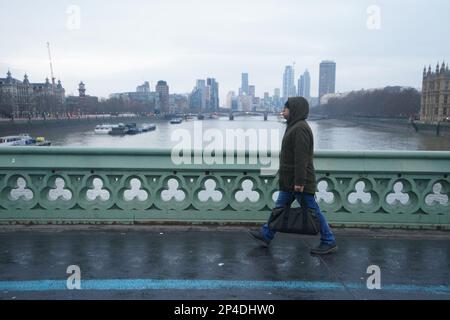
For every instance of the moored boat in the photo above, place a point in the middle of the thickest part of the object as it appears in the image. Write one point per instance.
(23, 140)
(41, 142)
(119, 130)
(19, 140)
(104, 128)
(148, 127)
(176, 121)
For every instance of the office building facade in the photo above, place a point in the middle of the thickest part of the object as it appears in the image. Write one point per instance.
(289, 89)
(327, 78)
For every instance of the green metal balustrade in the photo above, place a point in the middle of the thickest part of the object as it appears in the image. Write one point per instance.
(130, 186)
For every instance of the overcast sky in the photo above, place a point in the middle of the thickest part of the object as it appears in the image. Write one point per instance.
(117, 45)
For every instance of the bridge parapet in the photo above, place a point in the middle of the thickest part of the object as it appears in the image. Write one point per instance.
(130, 186)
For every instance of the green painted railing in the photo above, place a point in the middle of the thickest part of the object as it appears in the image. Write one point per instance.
(90, 185)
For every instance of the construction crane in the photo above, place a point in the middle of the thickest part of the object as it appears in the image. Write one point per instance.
(51, 64)
(52, 102)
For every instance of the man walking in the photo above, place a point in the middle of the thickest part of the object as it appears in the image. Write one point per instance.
(297, 177)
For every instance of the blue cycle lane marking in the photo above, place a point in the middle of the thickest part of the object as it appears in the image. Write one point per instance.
(150, 284)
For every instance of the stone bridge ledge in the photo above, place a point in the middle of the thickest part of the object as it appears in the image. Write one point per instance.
(40, 185)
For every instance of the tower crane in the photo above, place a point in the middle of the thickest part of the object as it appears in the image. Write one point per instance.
(51, 64)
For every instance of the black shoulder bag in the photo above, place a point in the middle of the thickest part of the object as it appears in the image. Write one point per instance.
(301, 220)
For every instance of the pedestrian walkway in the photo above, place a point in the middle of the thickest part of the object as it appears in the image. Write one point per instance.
(182, 262)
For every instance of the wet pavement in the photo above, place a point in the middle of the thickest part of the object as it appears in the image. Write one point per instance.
(176, 262)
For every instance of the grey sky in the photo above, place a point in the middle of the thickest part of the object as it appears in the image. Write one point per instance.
(121, 44)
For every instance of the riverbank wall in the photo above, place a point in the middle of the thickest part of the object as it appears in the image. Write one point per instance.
(439, 129)
(12, 127)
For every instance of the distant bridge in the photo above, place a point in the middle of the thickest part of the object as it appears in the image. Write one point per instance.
(233, 114)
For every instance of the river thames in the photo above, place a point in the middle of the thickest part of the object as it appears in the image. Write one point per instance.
(329, 134)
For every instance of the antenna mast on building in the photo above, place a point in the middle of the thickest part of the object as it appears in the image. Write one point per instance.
(51, 64)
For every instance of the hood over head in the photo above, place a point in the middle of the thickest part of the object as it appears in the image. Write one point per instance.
(298, 109)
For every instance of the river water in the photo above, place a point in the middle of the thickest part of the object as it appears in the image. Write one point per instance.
(329, 135)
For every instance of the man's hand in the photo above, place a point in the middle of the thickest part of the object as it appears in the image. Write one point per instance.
(299, 188)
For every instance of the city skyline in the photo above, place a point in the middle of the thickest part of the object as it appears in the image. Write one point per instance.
(117, 46)
(289, 72)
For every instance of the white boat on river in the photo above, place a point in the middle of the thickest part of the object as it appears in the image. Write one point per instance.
(105, 128)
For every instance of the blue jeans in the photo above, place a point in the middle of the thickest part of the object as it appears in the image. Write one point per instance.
(286, 198)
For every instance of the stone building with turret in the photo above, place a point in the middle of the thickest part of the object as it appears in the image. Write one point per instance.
(26, 99)
(435, 105)
(83, 103)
